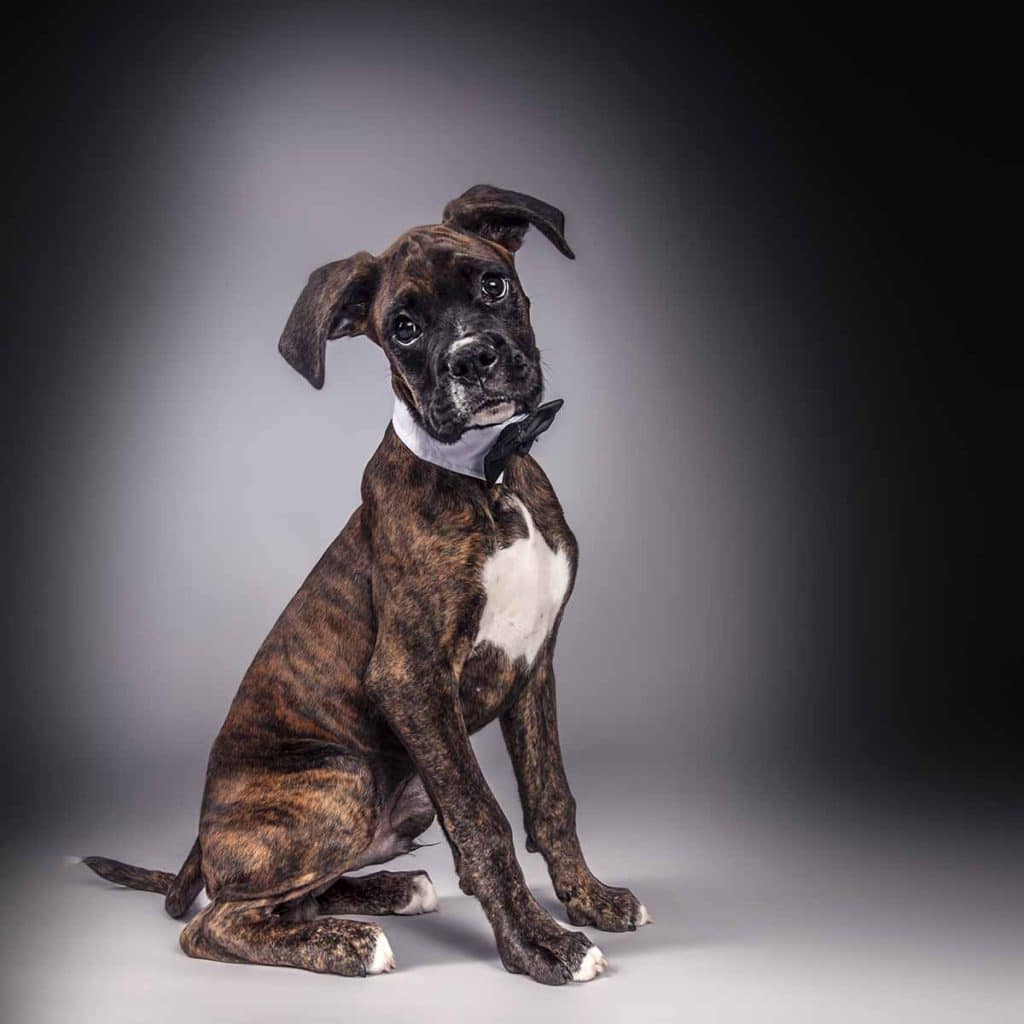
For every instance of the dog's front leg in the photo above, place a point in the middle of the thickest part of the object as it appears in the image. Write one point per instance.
(530, 728)
(419, 699)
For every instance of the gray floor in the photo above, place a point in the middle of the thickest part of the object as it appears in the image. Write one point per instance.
(764, 910)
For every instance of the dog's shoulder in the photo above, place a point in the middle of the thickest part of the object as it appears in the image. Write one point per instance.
(419, 518)
(525, 478)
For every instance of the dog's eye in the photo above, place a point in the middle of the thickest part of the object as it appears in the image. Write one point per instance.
(494, 286)
(406, 330)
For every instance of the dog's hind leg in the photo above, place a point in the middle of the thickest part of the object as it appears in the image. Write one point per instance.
(244, 932)
(384, 892)
(273, 836)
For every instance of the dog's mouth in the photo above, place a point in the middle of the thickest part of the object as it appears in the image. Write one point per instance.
(454, 407)
(496, 410)
(499, 405)
(487, 410)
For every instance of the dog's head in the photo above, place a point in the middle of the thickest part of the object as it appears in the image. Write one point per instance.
(445, 305)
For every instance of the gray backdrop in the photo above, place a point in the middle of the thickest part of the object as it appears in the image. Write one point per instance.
(191, 479)
(176, 481)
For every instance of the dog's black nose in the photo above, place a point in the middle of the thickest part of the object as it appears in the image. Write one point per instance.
(472, 359)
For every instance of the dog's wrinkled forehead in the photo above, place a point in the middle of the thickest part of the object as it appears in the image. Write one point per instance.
(428, 262)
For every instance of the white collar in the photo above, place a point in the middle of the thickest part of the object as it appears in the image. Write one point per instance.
(465, 456)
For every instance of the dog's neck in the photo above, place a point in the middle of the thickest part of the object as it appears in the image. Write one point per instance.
(465, 456)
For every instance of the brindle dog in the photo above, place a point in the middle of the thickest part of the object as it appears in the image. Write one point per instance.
(434, 612)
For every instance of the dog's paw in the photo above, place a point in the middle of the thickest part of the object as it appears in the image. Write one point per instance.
(381, 959)
(591, 965)
(607, 907)
(552, 955)
(423, 899)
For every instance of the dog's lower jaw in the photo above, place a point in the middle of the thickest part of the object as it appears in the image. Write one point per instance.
(492, 414)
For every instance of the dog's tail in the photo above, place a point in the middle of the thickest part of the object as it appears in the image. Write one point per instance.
(180, 890)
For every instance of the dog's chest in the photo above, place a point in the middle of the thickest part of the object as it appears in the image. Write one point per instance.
(524, 584)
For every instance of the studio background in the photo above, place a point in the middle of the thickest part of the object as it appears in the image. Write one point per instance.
(790, 424)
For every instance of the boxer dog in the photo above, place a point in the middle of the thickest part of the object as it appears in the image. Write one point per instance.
(434, 612)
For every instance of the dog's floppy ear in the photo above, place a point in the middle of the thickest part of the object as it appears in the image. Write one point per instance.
(335, 303)
(504, 217)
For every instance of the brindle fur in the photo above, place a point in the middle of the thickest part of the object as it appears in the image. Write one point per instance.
(351, 727)
(384, 892)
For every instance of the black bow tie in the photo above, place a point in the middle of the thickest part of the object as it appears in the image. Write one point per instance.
(517, 439)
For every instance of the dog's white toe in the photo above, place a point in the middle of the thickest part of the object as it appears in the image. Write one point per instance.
(424, 897)
(383, 959)
(643, 917)
(593, 964)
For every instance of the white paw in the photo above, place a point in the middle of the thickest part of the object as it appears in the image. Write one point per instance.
(593, 964)
(383, 959)
(643, 917)
(424, 897)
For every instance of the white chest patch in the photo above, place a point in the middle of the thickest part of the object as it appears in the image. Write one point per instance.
(524, 585)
